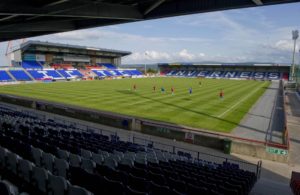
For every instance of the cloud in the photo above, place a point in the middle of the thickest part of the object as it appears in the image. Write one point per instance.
(283, 45)
(241, 35)
(150, 56)
(153, 56)
(184, 54)
(76, 35)
(157, 56)
(97, 34)
(218, 20)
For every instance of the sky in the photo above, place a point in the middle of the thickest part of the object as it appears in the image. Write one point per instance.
(260, 34)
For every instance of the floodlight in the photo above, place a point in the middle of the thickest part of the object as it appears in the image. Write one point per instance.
(295, 34)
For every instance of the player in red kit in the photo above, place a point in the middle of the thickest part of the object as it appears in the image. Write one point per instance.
(172, 90)
(134, 87)
(221, 94)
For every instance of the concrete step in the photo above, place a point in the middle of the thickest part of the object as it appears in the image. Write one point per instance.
(10, 75)
(266, 186)
(29, 75)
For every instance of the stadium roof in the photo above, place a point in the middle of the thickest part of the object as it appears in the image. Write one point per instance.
(28, 44)
(27, 18)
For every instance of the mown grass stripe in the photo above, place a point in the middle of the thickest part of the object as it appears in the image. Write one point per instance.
(198, 110)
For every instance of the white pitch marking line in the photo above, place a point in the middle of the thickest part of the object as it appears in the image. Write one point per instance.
(238, 102)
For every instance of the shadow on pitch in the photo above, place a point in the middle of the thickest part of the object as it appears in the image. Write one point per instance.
(187, 99)
(199, 113)
(128, 91)
(271, 136)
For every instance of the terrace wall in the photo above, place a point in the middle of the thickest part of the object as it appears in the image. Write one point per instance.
(104, 118)
(256, 150)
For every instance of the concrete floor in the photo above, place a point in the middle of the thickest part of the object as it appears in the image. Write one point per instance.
(276, 176)
(293, 126)
(266, 187)
(265, 119)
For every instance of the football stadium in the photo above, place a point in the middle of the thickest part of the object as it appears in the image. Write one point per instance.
(75, 121)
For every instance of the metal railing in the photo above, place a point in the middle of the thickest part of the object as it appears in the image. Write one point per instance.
(129, 136)
(286, 139)
(199, 155)
(268, 138)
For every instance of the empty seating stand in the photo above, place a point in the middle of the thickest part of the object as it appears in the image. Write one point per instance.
(226, 74)
(31, 65)
(46, 74)
(4, 76)
(69, 74)
(107, 65)
(50, 74)
(39, 75)
(20, 75)
(55, 75)
(116, 72)
(46, 157)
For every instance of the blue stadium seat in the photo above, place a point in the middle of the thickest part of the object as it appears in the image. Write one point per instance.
(54, 74)
(107, 73)
(115, 73)
(179, 174)
(126, 73)
(4, 76)
(223, 74)
(45, 74)
(37, 75)
(136, 72)
(20, 75)
(31, 65)
(107, 65)
(99, 73)
(69, 74)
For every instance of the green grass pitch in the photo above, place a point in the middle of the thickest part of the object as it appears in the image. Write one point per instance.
(202, 109)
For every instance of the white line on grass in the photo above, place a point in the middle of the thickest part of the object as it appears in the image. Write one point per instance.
(238, 102)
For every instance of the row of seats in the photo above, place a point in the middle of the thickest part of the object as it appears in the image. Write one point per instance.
(35, 152)
(4, 76)
(85, 152)
(55, 74)
(151, 170)
(226, 74)
(33, 179)
(135, 173)
(45, 74)
(7, 187)
(107, 65)
(46, 160)
(71, 73)
(32, 65)
(116, 72)
(22, 75)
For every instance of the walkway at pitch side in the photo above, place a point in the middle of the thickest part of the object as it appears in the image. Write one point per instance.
(269, 184)
(293, 126)
(265, 120)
